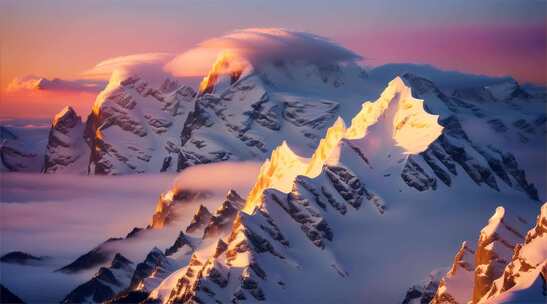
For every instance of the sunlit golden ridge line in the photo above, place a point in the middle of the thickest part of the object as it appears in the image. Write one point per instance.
(284, 165)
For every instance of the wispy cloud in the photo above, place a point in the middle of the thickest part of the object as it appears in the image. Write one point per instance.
(104, 69)
(35, 83)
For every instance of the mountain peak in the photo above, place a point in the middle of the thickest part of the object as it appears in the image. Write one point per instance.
(66, 116)
(505, 268)
(412, 128)
(66, 150)
(507, 90)
(226, 70)
(398, 116)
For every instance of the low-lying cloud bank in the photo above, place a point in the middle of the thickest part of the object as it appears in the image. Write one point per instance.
(65, 215)
(219, 177)
(61, 215)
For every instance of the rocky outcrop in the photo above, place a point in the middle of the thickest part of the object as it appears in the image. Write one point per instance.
(192, 285)
(494, 249)
(200, 220)
(106, 283)
(16, 155)
(245, 111)
(97, 256)
(224, 216)
(22, 258)
(484, 164)
(101, 254)
(66, 151)
(506, 266)
(424, 292)
(144, 116)
(149, 273)
(6, 296)
(415, 177)
(164, 213)
(452, 150)
(181, 241)
(524, 277)
(457, 285)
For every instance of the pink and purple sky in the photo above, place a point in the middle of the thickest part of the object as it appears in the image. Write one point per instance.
(65, 38)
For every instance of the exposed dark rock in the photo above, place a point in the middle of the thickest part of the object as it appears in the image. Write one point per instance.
(105, 284)
(313, 225)
(5, 133)
(497, 125)
(518, 174)
(347, 184)
(523, 125)
(220, 248)
(97, 256)
(429, 158)
(134, 232)
(95, 288)
(130, 297)
(19, 257)
(8, 297)
(222, 220)
(16, 160)
(164, 213)
(480, 94)
(200, 220)
(415, 176)
(179, 243)
(154, 261)
(120, 262)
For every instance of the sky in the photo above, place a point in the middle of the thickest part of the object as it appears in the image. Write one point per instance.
(65, 38)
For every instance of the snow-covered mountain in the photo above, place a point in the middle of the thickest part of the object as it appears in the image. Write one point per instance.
(66, 150)
(243, 111)
(367, 185)
(507, 266)
(369, 192)
(303, 215)
(134, 126)
(22, 147)
(106, 283)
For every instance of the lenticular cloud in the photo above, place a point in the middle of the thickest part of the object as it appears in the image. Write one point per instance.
(127, 64)
(259, 46)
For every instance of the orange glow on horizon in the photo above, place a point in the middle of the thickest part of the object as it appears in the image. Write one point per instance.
(44, 103)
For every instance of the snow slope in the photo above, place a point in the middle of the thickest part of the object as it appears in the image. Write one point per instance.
(350, 223)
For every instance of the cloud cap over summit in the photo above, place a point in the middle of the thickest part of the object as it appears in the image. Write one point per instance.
(260, 46)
